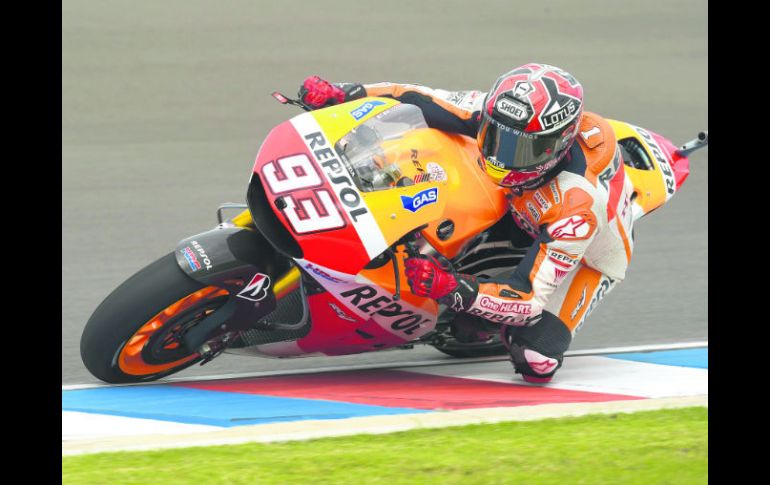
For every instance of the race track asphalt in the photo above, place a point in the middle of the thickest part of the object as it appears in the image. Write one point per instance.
(164, 105)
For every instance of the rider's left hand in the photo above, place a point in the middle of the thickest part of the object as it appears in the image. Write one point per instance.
(319, 93)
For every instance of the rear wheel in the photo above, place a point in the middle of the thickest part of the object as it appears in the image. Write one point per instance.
(470, 336)
(136, 333)
(476, 349)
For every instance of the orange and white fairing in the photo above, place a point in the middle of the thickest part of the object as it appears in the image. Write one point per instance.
(348, 182)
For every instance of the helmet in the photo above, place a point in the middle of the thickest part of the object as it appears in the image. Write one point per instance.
(529, 121)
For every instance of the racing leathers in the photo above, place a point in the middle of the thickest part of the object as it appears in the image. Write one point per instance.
(579, 220)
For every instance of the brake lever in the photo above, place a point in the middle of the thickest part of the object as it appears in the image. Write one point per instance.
(411, 252)
(284, 100)
(396, 275)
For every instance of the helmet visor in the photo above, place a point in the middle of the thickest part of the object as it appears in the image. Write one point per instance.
(511, 149)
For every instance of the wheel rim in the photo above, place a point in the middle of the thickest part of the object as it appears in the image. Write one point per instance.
(156, 346)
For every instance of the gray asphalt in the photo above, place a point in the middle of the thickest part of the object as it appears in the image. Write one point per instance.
(164, 105)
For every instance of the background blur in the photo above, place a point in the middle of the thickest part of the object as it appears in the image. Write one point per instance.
(165, 104)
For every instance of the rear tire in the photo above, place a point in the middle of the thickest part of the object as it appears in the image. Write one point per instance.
(471, 336)
(133, 335)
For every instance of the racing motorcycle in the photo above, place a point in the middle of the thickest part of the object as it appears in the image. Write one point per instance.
(313, 264)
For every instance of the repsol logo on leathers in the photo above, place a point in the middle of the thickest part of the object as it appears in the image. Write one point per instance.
(337, 174)
(367, 299)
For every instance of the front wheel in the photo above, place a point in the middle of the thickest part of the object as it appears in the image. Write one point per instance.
(136, 333)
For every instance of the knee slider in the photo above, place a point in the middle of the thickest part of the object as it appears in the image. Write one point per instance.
(537, 352)
(532, 365)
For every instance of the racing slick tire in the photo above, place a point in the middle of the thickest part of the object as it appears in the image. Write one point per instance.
(457, 349)
(135, 334)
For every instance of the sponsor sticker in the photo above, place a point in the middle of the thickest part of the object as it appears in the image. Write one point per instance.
(605, 285)
(341, 313)
(189, 255)
(542, 201)
(561, 259)
(533, 212)
(492, 167)
(467, 100)
(257, 288)
(559, 115)
(399, 316)
(414, 156)
(457, 303)
(434, 173)
(522, 88)
(559, 274)
(665, 167)
(555, 191)
(202, 254)
(495, 163)
(606, 175)
(456, 97)
(561, 108)
(504, 306)
(574, 227)
(512, 109)
(321, 273)
(579, 305)
(510, 319)
(365, 109)
(346, 191)
(420, 199)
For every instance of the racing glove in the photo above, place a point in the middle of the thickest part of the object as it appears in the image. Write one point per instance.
(319, 93)
(431, 278)
(496, 302)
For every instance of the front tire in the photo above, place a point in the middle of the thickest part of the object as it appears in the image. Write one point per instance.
(135, 333)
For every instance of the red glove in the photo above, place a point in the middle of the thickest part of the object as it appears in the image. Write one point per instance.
(318, 93)
(427, 278)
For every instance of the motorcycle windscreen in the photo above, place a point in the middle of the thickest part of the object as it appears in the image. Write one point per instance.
(385, 151)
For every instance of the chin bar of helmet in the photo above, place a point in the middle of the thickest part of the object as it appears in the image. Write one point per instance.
(691, 146)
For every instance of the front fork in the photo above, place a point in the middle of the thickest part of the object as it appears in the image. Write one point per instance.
(235, 257)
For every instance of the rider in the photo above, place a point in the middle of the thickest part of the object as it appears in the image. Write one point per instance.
(569, 193)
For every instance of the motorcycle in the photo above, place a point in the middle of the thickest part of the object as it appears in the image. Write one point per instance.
(313, 264)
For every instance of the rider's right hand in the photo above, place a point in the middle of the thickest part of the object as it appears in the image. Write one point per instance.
(318, 93)
(426, 277)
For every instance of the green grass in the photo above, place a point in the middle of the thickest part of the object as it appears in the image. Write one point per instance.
(652, 447)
